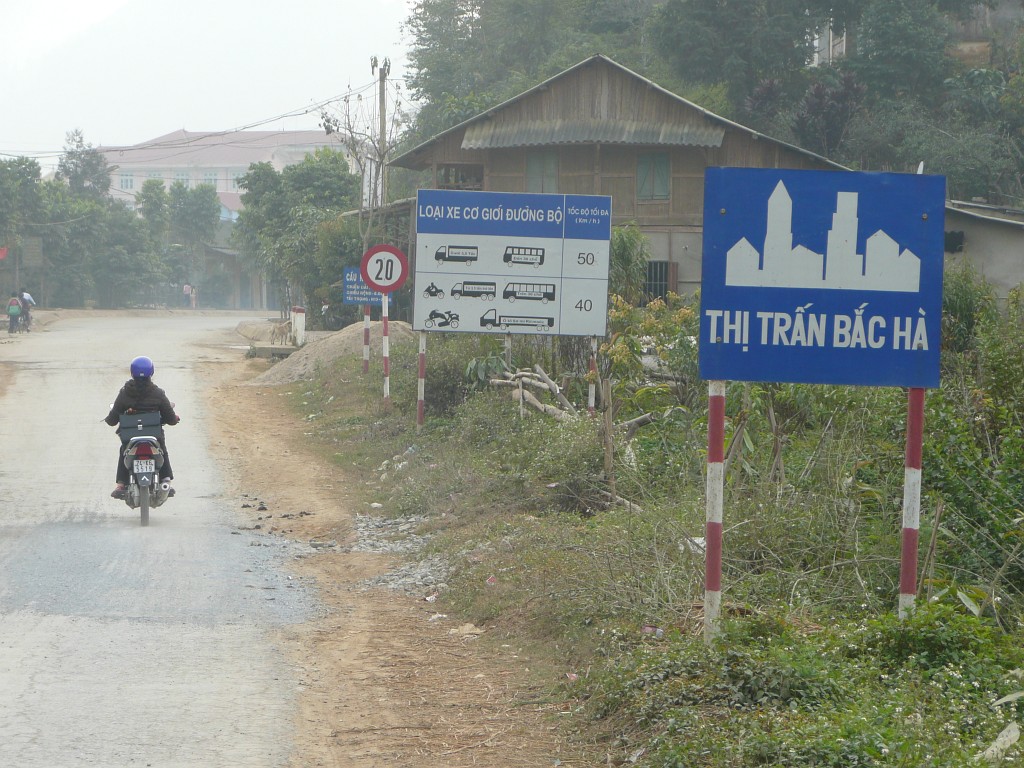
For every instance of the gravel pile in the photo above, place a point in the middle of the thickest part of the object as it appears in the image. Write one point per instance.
(424, 578)
(388, 536)
(321, 350)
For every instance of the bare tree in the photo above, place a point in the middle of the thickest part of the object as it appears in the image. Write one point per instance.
(369, 130)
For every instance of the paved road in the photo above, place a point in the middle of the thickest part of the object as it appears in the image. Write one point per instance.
(122, 645)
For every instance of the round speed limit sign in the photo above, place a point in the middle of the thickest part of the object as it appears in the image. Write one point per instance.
(384, 268)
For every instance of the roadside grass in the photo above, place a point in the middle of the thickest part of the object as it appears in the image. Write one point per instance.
(812, 667)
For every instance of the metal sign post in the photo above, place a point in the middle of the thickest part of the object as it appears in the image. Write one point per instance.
(386, 349)
(911, 500)
(366, 338)
(421, 380)
(385, 268)
(714, 503)
(356, 291)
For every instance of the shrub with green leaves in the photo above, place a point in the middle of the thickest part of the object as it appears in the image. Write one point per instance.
(883, 692)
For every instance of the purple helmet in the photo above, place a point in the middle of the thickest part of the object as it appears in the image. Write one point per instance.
(142, 368)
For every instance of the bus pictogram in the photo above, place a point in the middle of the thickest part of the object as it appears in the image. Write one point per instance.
(522, 254)
(542, 292)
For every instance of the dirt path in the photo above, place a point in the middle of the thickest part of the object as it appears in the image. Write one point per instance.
(385, 681)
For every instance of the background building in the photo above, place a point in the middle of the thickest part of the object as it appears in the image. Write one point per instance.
(219, 159)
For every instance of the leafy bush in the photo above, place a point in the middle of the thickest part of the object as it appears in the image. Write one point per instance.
(932, 637)
(882, 693)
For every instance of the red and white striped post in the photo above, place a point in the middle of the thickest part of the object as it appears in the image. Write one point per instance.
(592, 389)
(911, 501)
(366, 338)
(421, 381)
(384, 268)
(386, 347)
(715, 500)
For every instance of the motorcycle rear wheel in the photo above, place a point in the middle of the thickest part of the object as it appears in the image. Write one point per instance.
(144, 504)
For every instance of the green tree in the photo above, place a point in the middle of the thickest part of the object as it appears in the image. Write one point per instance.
(825, 112)
(627, 273)
(194, 214)
(467, 55)
(901, 50)
(281, 225)
(19, 198)
(83, 168)
(154, 205)
(322, 180)
(265, 213)
(736, 42)
(438, 29)
(71, 238)
(124, 267)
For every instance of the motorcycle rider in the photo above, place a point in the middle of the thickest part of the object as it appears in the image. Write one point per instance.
(27, 302)
(140, 395)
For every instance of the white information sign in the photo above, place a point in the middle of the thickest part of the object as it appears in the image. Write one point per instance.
(497, 262)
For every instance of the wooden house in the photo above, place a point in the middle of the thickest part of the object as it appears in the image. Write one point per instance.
(599, 128)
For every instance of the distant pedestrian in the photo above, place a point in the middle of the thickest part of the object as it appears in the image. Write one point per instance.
(193, 296)
(187, 294)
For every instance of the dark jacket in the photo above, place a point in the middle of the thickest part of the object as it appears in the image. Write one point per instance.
(142, 396)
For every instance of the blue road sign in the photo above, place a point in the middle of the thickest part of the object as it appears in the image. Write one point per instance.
(823, 277)
(355, 291)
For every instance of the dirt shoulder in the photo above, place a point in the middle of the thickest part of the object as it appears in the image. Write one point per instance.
(387, 680)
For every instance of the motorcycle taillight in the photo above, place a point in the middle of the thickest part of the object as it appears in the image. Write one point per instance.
(143, 451)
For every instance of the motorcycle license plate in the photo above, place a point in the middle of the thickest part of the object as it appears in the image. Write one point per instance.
(143, 466)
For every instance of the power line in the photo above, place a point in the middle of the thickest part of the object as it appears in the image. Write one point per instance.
(188, 143)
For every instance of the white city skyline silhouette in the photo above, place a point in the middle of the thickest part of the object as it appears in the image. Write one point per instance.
(882, 266)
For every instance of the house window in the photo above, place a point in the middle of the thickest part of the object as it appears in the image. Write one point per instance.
(127, 181)
(652, 174)
(460, 177)
(657, 285)
(542, 171)
(236, 181)
(210, 177)
(182, 176)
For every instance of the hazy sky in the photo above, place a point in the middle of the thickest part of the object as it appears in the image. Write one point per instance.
(126, 71)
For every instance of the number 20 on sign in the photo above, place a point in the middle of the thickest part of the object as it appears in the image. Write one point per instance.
(384, 268)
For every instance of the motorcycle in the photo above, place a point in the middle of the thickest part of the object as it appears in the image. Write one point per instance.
(447, 319)
(143, 457)
(433, 292)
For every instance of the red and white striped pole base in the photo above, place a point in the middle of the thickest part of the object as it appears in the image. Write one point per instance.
(592, 389)
(421, 380)
(911, 501)
(715, 498)
(386, 347)
(366, 338)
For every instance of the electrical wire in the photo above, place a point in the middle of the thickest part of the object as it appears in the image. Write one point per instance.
(188, 143)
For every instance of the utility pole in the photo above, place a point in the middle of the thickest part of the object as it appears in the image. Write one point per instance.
(382, 136)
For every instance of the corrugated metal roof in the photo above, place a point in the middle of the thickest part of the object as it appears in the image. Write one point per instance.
(487, 134)
(414, 158)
